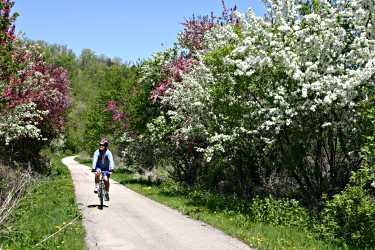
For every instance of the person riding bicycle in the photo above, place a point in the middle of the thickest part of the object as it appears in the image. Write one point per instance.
(103, 163)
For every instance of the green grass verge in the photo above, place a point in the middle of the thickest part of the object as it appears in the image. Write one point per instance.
(45, 209)
(258, 235)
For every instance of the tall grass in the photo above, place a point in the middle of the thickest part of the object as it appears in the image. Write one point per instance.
(48, 207)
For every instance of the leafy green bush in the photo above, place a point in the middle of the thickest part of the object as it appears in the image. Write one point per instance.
(138, 154)
(172, 188)
(350, 216)
(285, 212)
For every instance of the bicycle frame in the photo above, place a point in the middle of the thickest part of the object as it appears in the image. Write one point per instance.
(101, 190)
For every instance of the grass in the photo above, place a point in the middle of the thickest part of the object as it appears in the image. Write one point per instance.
(46, 208)
(258, 235)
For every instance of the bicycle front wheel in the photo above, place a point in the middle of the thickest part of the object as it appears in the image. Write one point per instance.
(101, 195)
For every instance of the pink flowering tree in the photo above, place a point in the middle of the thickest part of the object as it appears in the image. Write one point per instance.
(190, 41)
(195, 29)
(117, 115)
(174, 72)
(33, 94)
(39, 83)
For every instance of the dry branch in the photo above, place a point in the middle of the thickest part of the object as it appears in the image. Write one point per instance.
(16, 188)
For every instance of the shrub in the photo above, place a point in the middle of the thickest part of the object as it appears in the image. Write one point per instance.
(350, 216)
(285, 212)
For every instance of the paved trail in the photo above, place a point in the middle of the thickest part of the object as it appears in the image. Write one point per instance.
(132, 221)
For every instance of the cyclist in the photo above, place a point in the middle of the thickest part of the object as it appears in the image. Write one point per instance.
(103, 162)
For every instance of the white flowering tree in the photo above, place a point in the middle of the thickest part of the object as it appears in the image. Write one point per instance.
(22, 122)
(279, 94)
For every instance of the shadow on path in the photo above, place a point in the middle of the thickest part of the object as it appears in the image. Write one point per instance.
(98, 206)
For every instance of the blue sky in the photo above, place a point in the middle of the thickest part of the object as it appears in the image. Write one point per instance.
(128, 29)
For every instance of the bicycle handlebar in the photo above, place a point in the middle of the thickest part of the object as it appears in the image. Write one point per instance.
(94, 170)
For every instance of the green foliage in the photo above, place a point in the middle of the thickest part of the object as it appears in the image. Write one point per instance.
(95, 81)
(116, 84)
(350, 216)
(284, 212)
(138, 154)
(309, 6)
(216, 57)
(277, 212)
(7, 66)
(150, 72)
(59, 55)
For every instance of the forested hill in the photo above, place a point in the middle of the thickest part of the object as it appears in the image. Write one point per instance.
(101, 90)
(280, 107)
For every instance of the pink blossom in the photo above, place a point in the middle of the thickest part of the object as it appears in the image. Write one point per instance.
(117, 116)
(178, 67)
(42, 84)
(160, 90)
(7, 93)
(111, 106)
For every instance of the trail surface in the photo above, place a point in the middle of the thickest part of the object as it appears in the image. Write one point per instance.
(132, 221)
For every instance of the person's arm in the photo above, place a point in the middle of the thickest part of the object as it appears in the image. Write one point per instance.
(111, 162)
(94, 159)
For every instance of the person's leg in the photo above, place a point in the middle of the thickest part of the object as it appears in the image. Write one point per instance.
(106, 187)
(106, 183)
(97, 178)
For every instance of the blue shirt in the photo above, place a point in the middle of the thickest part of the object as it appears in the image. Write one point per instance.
(108, 155)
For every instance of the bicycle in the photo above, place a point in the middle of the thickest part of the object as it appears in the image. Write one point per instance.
(101, 188)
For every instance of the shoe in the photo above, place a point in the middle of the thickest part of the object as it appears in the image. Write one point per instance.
(106, 196)
(96, 190)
